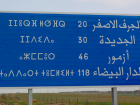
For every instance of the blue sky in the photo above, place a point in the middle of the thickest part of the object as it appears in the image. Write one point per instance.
(80, 6)
(71, 6)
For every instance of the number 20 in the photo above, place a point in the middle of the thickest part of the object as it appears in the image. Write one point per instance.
(82, 24)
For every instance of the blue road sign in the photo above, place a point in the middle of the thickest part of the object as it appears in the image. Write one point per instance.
(69, 50)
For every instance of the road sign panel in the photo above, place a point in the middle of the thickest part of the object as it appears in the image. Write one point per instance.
(69, 50)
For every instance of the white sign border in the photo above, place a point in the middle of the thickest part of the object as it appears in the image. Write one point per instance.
(63, 87)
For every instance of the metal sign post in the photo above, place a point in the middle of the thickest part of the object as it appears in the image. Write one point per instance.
(114, 95)
(30, 97)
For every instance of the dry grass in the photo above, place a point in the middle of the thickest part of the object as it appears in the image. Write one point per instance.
(82, 97)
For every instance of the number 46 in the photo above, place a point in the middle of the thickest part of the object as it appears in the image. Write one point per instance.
(83, 56)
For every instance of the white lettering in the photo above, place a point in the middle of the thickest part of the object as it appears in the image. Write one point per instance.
(12, 73)
(39, 39)
(32, 56)
(55, 23)
(34, 39)
(19, 72)
(27, 41)
(10, 23)
(22, 39)
(26, 23)
(20, 22)
(47, 23)
(30, 75)
(62, 72)
(51, 73)
(41, 23)
(57, 73)
(67, 72)
(62, 23)
(39, 57)
(15, 22)
(53, 56)
(34, 23)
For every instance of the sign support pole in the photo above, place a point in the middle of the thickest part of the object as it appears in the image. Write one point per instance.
(114, 95)
(30, 97)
